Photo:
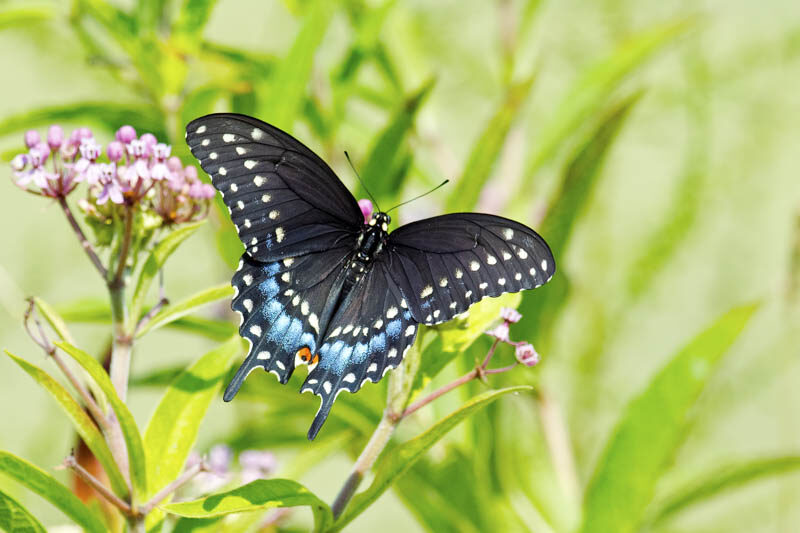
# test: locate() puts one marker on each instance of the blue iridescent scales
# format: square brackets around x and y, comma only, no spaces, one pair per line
[318,286]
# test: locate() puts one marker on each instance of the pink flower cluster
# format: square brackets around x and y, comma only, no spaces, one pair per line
[136,170]
[525,352]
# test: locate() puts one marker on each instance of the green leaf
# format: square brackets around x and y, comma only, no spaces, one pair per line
[154,263]
[84,425]
[387,151]
[133,440]
[15,518]
[283,100]
[256,496]
[579,180]
[108,115]
[189,305]
[591,90]
[487,149]
[54,319]
[97,311]
[20,17]
[173,428]
[192,20]
[652,428]
[50,489]
[459,334]
[722,479]
[395,462]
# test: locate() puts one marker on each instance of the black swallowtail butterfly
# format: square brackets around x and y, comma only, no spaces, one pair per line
[319,286]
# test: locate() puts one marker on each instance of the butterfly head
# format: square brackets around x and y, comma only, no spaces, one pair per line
[381,220]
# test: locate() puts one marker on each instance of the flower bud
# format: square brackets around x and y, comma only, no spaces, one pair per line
[85,133]
[149,140]
[366,209]
[115,151]
[526,354]
[32,138]
[174,164]
[500,332]
[19,162]
[125,134]
[55,137]
[191,174]
[510,315]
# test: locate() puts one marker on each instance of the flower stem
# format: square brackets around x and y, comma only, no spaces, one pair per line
[121,349]
[172,487]
[85,244]
[71,463]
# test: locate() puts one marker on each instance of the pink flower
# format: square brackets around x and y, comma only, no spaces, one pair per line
[366,209]
[256,464]
[125,134]
[526,354]
[115,151]
[500,332]
[32,138]
[55,137]
[510,315]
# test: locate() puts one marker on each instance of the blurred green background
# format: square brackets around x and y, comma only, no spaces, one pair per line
[654,144]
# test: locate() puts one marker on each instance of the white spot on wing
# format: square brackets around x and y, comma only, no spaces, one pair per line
[544,265]
[248,304]
[373,367]
[522,254]
[313,322]
[259,181]
[501,281]
[459,273]
[391,312]
[378,324]
[508,233]
[249,164]
[229,137]
[280,365]
[336,331]
[240,205]
[491,259]
[234,187]
[256,134]
[279,234]
[248,279]
[213,155]
[327,387]
[266,198]
[392,353]
[286,277]
[517,276]
[443,282]
[474,265]
[222,171]
[240,150]
[506,256]
[206,142]
[263,355]
[468,294]
[427,291]
[349,378]
[483,285]
[201,129]
[255,330]
[410,331]
[274,214]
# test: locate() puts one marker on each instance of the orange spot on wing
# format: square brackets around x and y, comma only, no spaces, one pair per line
[304,354]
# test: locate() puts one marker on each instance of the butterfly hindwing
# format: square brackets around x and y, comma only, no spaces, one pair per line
[281,304]
[445,264]
[283,199]
[369,335]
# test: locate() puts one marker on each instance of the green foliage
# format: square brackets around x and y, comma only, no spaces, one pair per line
[397,461]
[46,486]
[255,496]
[133,440]
[652,427]
[84,425]
[189,305]
[15,518]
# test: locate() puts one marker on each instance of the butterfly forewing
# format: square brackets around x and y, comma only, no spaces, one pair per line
[283,199]
[445,264]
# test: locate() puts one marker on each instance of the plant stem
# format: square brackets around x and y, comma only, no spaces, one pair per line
[172,487]
[377,442]
[122,342]
[93,482]
[85,244]
[127,236]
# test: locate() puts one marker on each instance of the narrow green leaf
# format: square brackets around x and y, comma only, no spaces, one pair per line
[192,20]
[256,496]
[395,462]
[721,480]
[50,489]
[387,152]
[133,440]
[15,518]
[84,425]
[54,319]
[173,428]
[283,100]
[591,90]
[18,17]
[154,263]
[580,178]
[149,15]
[652,428]
[108,115]
[187,306]
[487,149]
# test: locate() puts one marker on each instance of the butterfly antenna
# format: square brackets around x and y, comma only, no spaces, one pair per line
[442,184]
[361,181]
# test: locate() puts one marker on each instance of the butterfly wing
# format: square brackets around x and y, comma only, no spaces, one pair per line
[444,264]
[282,305]
[283,199]
[370,333]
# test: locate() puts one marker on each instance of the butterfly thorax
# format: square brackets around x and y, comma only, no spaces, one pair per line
[372,238]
